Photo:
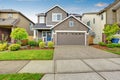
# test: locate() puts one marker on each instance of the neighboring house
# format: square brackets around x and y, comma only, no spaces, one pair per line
[10,19]
[98,20]
[61,27]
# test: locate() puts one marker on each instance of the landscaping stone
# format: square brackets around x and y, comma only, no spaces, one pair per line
[48,77]
[115,60]
[65,66]
[102,64]
[111,75]
[79,76]
[7,67]
[39,67]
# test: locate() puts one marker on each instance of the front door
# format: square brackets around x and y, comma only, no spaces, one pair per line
[48,36]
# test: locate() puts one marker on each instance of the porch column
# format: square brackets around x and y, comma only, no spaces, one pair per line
[12,40]
[34,34]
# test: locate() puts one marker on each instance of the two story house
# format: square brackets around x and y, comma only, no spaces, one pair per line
[98,20]
[61,27]
[10,19]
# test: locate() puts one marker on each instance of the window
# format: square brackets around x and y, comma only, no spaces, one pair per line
[71,23]
[10,15]
[31,26]
[93,20]
[88,23]
[56,17]
[42,19]
[102,17]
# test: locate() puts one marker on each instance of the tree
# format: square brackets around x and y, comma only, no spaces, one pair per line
[111,30]
[19,34]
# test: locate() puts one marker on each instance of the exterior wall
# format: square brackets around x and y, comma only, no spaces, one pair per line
[112,16]
[118,16]
[49,15]
[77,26]
[5,15]
[24,23]
[97,27]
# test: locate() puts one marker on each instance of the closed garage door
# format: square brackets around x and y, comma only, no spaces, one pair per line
[70,38]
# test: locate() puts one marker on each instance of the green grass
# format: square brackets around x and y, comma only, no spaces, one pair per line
[24,76]
[114,50]
[27,55]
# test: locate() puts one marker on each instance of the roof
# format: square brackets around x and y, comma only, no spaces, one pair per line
[14,11]
[8,22]
[41,26]
[90,13]
[76,15]
[51,9]
[74,18]
[111,5]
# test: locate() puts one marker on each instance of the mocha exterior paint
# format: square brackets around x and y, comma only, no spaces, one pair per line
[54,10]
[23,21]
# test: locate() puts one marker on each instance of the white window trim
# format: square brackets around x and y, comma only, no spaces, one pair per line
[10,15]
[56,19]
[41,19]
[70,23]
[46,35]
[57,31]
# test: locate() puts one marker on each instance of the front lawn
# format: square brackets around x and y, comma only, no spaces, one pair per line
[114,50]
[27,55]
[24,76]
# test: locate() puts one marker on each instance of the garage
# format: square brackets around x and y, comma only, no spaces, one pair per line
[71,38]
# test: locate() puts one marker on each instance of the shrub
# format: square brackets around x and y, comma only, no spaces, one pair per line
[118,45]
[24,42]
[32,43]
[37,43]
[102,44]
[111,45]
[19,34]
[42,44]
[14,47]
[3,47]
[50,44]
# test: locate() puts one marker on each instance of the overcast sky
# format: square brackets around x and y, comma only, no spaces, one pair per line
[31,7]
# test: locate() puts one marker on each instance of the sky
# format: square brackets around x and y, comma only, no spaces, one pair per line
[32,7]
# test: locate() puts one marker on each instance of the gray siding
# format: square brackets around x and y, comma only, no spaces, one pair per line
[54,10]
[77,25]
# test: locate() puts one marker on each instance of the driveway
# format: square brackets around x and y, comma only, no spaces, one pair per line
[80,52]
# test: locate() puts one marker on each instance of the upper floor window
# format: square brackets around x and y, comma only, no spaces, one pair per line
[56,17]
[93,20]
[88,23]
[71,23]
[42,19]
[31,26]
[10,15]
[102,17]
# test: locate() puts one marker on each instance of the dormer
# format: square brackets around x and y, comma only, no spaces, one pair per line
[41,18]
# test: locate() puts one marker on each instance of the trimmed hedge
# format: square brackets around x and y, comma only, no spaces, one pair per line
[14,47]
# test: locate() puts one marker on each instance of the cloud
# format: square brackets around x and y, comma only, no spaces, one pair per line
[101,4]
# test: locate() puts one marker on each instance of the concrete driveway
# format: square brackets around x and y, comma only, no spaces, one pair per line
[80,52]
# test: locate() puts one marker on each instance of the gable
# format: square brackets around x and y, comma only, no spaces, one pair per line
[78,26]
[58,8]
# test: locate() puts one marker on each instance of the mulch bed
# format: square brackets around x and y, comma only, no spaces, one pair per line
[100,47]
[35,48]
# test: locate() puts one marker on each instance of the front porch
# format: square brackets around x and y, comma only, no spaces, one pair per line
[44,35]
